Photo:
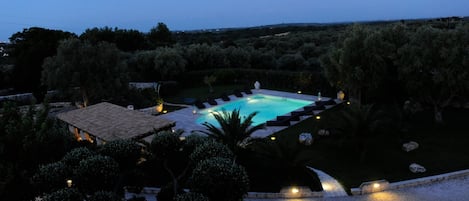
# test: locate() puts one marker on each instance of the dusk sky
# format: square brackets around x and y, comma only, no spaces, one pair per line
[78,15]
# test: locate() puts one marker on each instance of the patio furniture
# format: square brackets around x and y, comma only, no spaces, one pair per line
[224,97]
[237,93]
[199,104]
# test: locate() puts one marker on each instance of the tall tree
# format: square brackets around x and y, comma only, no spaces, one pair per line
[99,70]
[29,49]
[160,36]
[434,67]
[169,62]
[352,66]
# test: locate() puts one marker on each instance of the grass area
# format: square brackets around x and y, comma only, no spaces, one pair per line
[442,149]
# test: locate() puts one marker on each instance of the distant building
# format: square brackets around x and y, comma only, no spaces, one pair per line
[105,122]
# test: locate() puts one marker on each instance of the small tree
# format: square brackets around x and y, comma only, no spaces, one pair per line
[220,179]
[232,130]
[164,146]
[209,80]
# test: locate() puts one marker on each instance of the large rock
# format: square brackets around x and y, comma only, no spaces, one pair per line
[409,146]
[306,138]
[416,168]
[323,132]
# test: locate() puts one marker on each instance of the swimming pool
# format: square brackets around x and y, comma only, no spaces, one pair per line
[268,108]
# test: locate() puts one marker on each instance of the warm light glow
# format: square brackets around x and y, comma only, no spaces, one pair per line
[165,111]
[69,183]
[295,190]
[326,186]
[348,102]
[318,117]
[182,138]
[299,92]
[376,185]
[273,138]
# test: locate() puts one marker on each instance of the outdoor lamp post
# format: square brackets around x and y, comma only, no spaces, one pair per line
[69,183]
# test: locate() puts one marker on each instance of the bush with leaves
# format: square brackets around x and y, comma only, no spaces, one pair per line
[65,194]
[165,143]
[104,196]
[51,177]
[72,158]
[97,173]
[210,149]
[125,152]
[191,196]
[193,141]
[220,179]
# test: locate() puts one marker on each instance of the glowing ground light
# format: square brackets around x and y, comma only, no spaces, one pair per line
[295,190]
[318,117]
[376,185]
[326,186]
[165,111]
[69,183]
[348,102]
[273,138]
[299,92]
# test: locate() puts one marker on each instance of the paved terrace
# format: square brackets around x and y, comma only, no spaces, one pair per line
[185,118]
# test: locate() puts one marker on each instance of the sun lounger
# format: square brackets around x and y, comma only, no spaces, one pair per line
[224,97]
[237,93]
[211,101]
[199,104]
[247,91]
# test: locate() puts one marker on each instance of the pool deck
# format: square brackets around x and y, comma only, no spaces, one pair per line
[186,120]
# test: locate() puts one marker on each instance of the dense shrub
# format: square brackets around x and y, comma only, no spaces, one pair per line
[97,173]
[220,179]
[66,194]
[51,177]
[165,144]
[193,141]
[125,152]
[211,149]
[72,158]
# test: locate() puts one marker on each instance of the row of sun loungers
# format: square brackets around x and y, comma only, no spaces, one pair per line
[295,115]
[199,104]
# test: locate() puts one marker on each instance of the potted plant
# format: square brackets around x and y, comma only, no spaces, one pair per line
[159,104]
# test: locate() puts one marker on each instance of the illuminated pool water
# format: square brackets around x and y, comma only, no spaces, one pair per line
[268,108]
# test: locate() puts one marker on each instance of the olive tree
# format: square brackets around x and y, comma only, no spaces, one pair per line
[98,70]
[434,67]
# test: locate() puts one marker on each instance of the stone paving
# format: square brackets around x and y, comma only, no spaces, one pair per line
[331,187]
[447,190]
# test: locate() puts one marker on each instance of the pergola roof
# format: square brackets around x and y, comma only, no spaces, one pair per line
[111,122]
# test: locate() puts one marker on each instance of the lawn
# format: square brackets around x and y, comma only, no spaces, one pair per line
[442,149]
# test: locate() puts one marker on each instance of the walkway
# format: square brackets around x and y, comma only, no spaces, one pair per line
[331,187]
[447,190]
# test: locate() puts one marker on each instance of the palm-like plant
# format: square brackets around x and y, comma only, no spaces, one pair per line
[360,125]
[233,131]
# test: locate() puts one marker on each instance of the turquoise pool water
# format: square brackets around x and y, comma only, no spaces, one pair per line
[269,107]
